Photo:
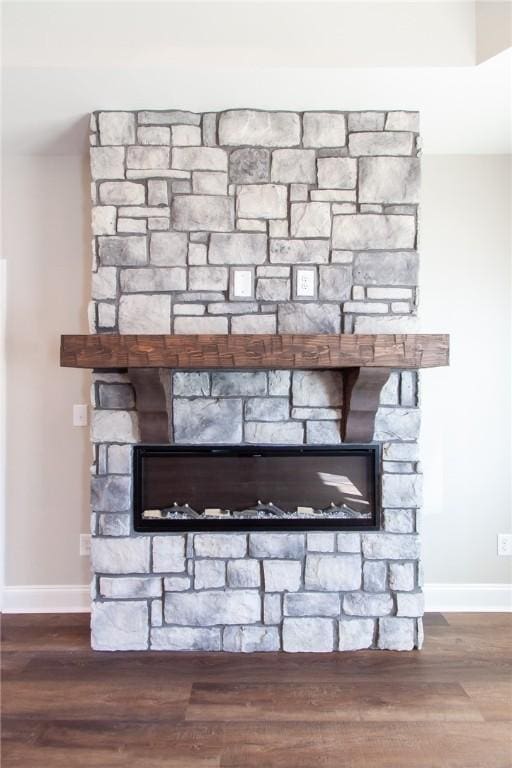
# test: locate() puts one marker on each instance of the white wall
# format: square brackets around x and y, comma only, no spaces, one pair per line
[465,278]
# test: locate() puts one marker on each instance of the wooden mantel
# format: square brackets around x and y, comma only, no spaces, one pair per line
[365,361]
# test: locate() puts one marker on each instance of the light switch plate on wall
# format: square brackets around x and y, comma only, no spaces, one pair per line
[80,415]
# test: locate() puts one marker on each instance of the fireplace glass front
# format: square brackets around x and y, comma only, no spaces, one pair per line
[199,488]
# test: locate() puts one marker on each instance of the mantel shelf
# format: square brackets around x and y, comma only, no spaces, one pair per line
[364,360]
[306,351]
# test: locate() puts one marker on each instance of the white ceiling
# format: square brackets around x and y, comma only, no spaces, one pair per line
[63,60]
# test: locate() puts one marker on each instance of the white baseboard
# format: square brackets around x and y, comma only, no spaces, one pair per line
[475,598]
[438,597]
[49,598]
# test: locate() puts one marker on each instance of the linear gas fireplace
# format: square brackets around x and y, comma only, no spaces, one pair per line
[198,488]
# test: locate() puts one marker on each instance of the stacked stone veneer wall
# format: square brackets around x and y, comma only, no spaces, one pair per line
[179,199]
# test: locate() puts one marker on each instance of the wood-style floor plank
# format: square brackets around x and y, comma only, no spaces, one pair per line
[449,706]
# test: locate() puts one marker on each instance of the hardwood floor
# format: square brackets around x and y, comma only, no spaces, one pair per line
[448,706]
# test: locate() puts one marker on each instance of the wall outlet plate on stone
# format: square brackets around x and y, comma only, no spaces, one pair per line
[241,284]
[304,283]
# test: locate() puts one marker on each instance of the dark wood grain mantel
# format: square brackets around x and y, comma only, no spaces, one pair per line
[365,361]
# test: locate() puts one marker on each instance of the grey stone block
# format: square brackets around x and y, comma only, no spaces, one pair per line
[308,318]
[209,574]
[261,201]
[208,278]
[123,555]
[116,396]
[203,212]
[279,382]
[232,307]
[312,604]
[317,388]
[323,433]
[299,251]
[323,129]
[104,283]
[310,220]
[168,249]
[122,193]
[110,494]
[140,586]
[207,420]
[267,409]
[153,279]
[244,573]
[366,121]
[186,136]
[176,583]
[210,183]
[335,282]
[251,639]
[337,173]
[170,117]
[410,604]
[220,545]
[117,127]
[276,433]
[147,157]
[153,135]
[293,165]
[402,490]
[282,575]
[156,613]
[114,524]
[389,179]
[333,572]
[119,626]
[399,520]
[237,248]
[321,542]
[168,553]
[273,289]
[380,143]
[199,158]
[389,393]
[385,324]
[364,604]
[141,313]
[395,268]
[210,129]
[390,546]
[396,634]
[107,162]
[272,613]
[131,226]
[114,427]
[122,251]
[185,639]
[190,384]
[239,127]
[356,634]
[397,424]
[200,325]
[369,230]
[278,545]
[401,576]
[374,576]
[210,608]
[349,542]
[226,384]
[249,165]
[308,635]
[254,324]
[103,220]
[317,414]
[403,121]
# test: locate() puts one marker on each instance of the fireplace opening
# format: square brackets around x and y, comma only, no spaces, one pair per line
[207,488]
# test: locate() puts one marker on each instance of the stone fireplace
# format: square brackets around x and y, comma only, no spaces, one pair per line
[254,222]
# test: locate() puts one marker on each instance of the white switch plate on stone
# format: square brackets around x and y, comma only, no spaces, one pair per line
[80,415]
[505,544]
[85,544]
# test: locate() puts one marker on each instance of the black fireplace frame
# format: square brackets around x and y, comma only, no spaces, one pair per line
[144,525]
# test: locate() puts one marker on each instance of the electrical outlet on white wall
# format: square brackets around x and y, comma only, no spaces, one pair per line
[505,544]
[80,415]
[85,544]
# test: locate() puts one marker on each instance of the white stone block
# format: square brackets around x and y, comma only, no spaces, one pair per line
[107,162]
[120,555]
[317,388]
[114,427]
[337,172]
[410,604]
[204,609]
[333,572]
[251,639]
[134,586]
[279,545]
[401,576]
[131,226]
[284,433]
[299,251]
[396,634]
[335,282]
[209,574]
[141,313]
[369,230]
[308,635]
[390,546]
[104,283]
[210,183]
[241,127]
[366,121]
[186,136]
[364,604]
[220,545]
[168,249]
[309,318]
[237,248]
[153,279]
[323,129]
[244,573]
[380,143]
[254,324]
[293,166]
[356,634]
[119,459]
[122,193]
[176,583]
[168,553]
[185,639]
[312,604]
[157,192]
[272,613]
[147,157]
[389,180]
[310,220]
[323,433]
[154,135]
[282,575]
[349,542]
[261,201]
[403,121]
[199,159]
[117,127]
[119,626]
[212,213]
